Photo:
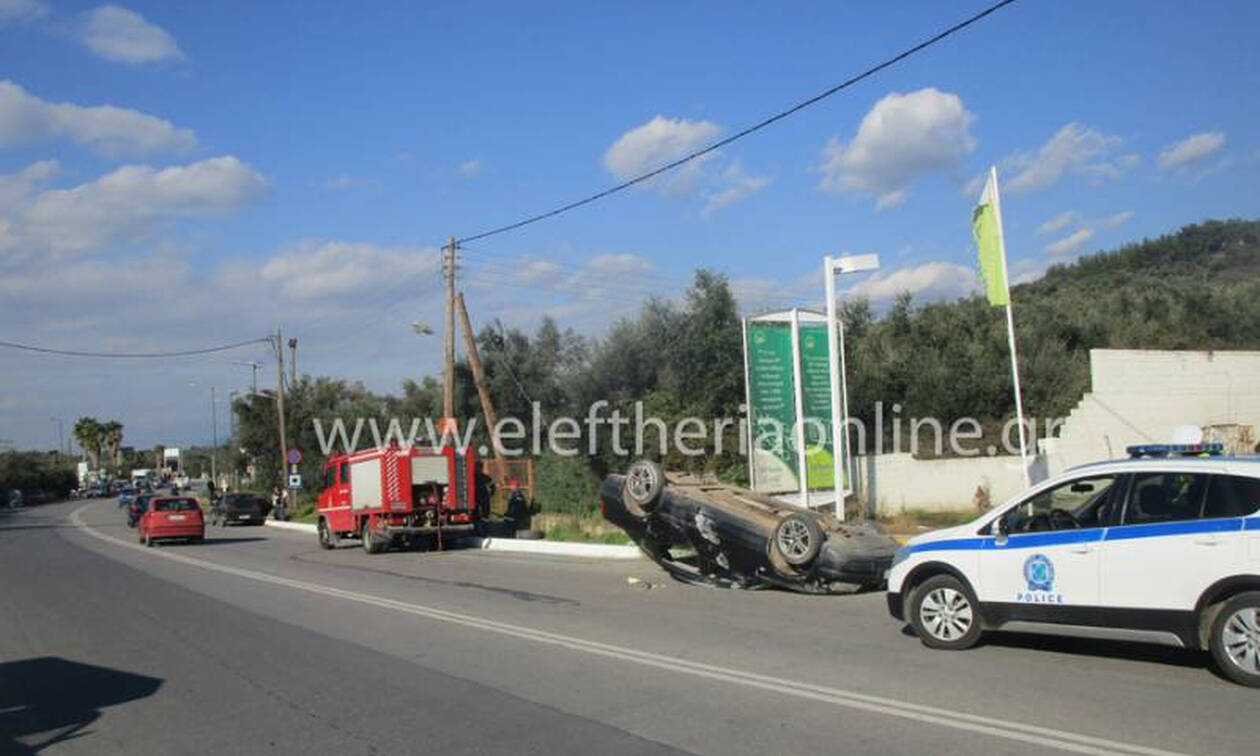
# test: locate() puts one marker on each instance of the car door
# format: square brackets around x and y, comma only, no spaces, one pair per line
[1041,561]
[1179,532]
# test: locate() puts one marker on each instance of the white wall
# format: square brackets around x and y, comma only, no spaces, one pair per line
[899,482]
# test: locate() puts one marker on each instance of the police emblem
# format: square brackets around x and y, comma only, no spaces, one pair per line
[1039,572]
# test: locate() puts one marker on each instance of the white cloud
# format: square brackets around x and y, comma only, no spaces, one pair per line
[16,187]
[935,280]
[1057,223]
[736,185]
[22,10]
[1070,243]
[1190,150]
[1113,221]
[470,168]
[1112,169]
[130,201]
[1073,148]
[904,136]
[124,36]
[657,143]
[314,269]
[112,131]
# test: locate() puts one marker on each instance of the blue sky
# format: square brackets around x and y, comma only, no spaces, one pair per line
[297,164]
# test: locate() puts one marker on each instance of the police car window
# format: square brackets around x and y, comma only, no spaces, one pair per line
[1165,497]
[1080,503]
[1232,496]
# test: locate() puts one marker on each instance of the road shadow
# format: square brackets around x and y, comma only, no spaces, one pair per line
[49,700]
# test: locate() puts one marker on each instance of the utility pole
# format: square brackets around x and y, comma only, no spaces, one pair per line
[448,380]
[293,361]
[252,365]
[214,430]
[279,344]
[479,377]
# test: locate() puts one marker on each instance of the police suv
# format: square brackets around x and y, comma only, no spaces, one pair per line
[1162,547]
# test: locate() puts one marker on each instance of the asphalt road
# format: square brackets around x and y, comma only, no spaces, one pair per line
[258,642]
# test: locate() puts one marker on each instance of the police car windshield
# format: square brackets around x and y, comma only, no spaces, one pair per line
[1081,503]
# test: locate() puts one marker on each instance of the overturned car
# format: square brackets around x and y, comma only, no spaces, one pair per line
[724,535]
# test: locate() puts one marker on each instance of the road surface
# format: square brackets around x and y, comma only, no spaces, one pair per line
[259,642]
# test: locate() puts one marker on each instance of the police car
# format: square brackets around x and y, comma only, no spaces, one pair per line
[1163,547]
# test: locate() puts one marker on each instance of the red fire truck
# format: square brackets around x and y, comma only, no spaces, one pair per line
[397,494]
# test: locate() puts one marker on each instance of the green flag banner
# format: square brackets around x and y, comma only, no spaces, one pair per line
[986,227]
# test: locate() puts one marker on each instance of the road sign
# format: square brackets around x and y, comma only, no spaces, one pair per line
[295,481]
[293,456]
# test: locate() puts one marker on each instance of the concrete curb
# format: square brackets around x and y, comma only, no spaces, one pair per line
[551,548]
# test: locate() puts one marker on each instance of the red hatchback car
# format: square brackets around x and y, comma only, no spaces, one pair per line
[172,517]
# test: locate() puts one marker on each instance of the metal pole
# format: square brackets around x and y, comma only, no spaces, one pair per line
[448,379]
[750,434]
[214,430]
[839,426]
[1010,333]
[798,431]
[280,399]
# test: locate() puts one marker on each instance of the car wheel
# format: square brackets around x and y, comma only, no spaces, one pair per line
[530,535]
[1235,640]
[370,544]
[148,540]
[943,613]
[325,538]
[798,538]
[642,487]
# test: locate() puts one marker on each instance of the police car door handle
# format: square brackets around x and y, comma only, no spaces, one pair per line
[1207,541]
[1083,548]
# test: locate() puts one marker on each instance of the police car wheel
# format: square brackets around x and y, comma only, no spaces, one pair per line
[1235,639]
[944,614]
[642,487]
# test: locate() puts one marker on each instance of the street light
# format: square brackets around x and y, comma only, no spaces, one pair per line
[421,328]
[253,366]
[833,266]
[214,429]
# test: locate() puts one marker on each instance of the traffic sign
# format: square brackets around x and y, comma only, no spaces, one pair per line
[293,456]
[295,481]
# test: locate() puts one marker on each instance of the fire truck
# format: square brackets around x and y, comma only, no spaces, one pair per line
[397,495]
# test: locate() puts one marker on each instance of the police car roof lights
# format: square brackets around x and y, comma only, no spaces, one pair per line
[1138,451]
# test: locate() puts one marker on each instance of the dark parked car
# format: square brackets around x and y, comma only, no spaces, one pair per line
[730,536]
[239,509]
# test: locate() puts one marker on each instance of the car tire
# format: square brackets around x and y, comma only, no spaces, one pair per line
[325,536]
[148,540]
[644,482]
[944,614]
[371,544]
[530,535]
[798,538]
[1235,639]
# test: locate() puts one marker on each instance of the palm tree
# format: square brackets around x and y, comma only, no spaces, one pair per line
[88,432]
[112,435]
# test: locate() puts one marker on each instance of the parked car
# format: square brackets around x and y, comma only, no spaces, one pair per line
[728,535]
[172,517]
[239,509]
[1161,548]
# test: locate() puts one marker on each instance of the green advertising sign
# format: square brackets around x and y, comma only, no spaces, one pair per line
[772,410]
[772,377]
[816,403]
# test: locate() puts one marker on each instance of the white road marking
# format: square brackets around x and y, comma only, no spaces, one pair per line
[958,720]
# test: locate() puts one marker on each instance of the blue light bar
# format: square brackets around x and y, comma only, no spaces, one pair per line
[1169,450]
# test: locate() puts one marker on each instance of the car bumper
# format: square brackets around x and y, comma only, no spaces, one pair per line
[182,531]
[895,607]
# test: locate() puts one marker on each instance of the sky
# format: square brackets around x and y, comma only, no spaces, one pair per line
[182,175]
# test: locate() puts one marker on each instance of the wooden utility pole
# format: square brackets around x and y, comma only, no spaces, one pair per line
[280,405]
[448,379]
[479,377]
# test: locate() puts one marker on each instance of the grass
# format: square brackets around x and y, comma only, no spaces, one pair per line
[563,527]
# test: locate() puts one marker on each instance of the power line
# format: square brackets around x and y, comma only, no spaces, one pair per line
[132,355]
[745,132]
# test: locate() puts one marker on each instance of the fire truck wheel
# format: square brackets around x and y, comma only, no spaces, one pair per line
[325,536]
[371,544]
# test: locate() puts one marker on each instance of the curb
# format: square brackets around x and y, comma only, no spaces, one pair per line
[551,548]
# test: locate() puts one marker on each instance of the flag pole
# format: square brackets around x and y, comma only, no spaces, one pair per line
[1010,330]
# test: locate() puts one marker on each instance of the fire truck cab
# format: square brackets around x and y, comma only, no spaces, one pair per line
[397,495]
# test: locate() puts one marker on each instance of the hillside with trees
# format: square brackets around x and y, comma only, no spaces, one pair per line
[1198,288]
